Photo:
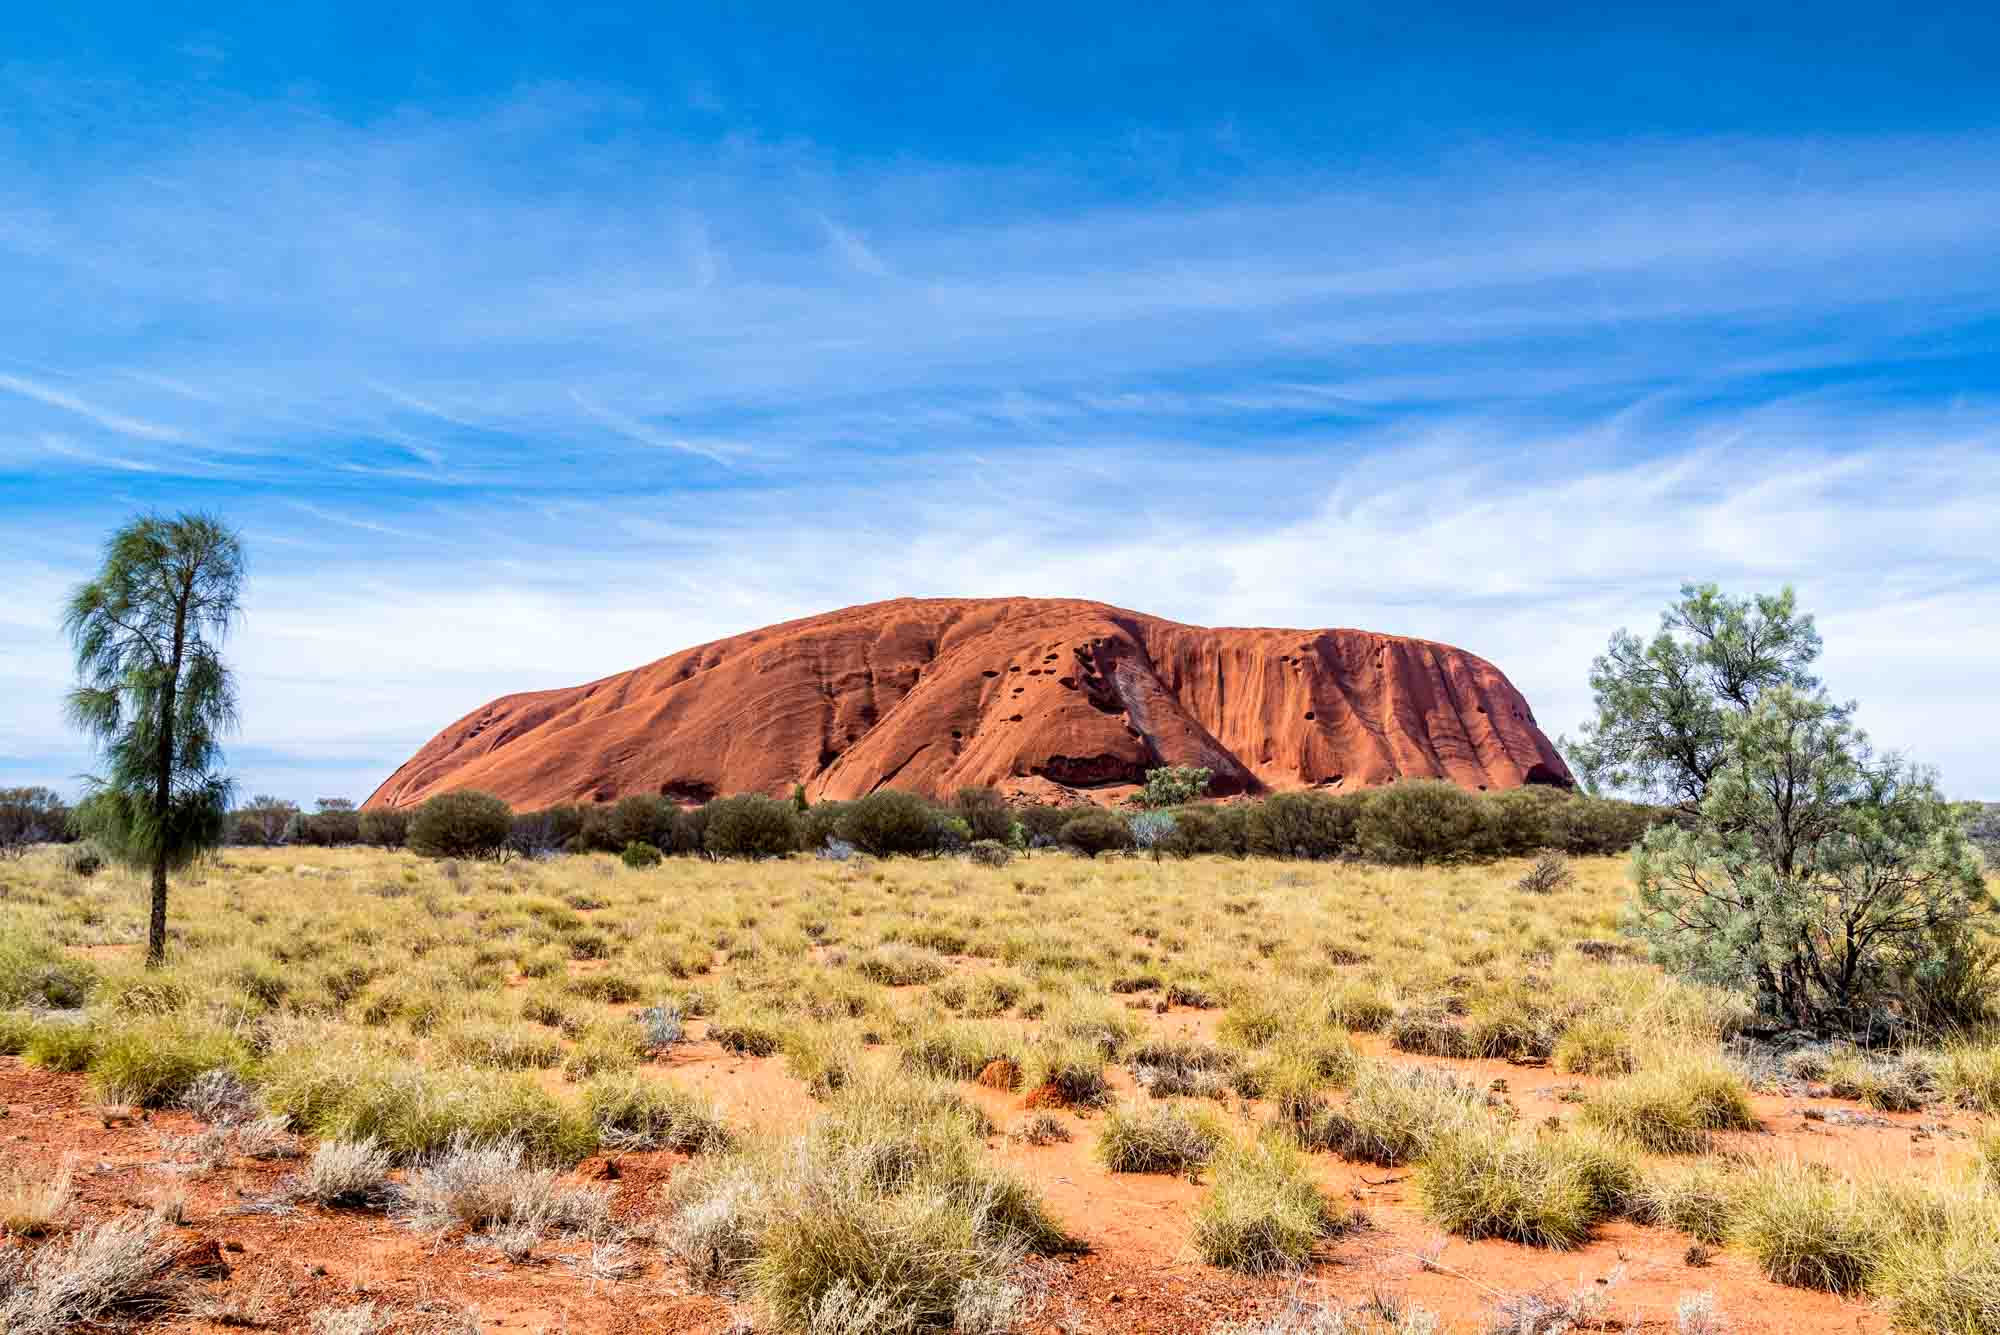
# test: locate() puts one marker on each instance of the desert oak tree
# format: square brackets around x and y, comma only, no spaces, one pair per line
[154,694]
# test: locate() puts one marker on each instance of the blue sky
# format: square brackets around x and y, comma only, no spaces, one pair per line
[527,343]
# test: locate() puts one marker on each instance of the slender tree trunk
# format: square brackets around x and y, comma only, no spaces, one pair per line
[163,794]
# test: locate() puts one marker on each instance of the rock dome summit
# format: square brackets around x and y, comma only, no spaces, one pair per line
[1044,698]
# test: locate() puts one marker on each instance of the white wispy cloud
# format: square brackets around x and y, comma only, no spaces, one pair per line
[104,417]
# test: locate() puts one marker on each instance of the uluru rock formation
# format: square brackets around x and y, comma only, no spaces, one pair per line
[1041,697]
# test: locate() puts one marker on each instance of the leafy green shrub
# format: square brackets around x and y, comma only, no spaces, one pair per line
[1520,821]
[642,818]
[888,822]
[1308,825]
[1096,831]
[750,825]
[1264,1212]
[1043,824]
[1206,829]
[691,830]
[639,856]
[1173,786]
[384,827]
[464,824]
[819,823]
[985,813]
[1422,820]
[1589,826]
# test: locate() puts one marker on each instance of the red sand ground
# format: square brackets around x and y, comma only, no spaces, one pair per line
[1140,1274]
[1041,697]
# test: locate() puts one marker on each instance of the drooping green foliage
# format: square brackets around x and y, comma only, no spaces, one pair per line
[1815,875]
[1664,705]
[154,694]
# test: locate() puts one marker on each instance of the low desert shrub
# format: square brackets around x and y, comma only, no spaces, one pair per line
[1945,1274]
[464,824]
[122,1264]
[488,1186]
[39,973]
[1264,1212]
[1359,1006]
[1594,1047]
[32,1203]
[1430,1030]
[1550,873]
[347,1173]
[1161,1138]
[897,965]
[1071,1070]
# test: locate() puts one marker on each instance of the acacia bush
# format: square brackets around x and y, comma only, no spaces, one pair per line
[1301,825]
[750,825]
[819,823]
[1042,824]
[985,813]
[385,827]
[465,824]
[1422,820]
[1096,831]
[888,822]
[1205,829]
[642,819]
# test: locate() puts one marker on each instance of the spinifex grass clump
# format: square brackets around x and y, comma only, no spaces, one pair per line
[1808,1227]
[1264,1212]
[1159,1138]
[1393,1115]
[1674,1108]
[885,1209]
[1481,1179]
